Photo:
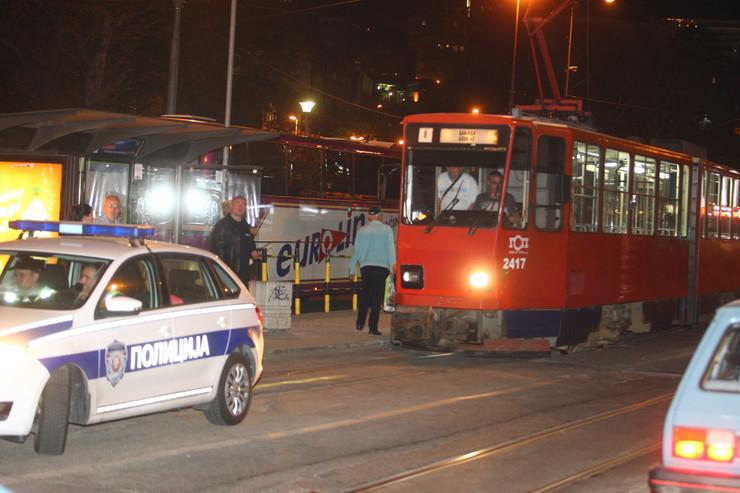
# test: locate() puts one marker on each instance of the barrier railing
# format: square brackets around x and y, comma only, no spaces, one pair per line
[297,295]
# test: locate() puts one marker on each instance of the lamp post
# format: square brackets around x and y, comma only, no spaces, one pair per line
[306,107]
[294,119]
[174,59]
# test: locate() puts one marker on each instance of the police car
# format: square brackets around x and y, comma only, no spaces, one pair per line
[702,428]
[94,329]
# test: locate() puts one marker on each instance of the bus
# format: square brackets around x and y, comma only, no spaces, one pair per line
[589,235]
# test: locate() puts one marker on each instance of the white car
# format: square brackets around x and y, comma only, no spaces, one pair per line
[701,434]
[94,329]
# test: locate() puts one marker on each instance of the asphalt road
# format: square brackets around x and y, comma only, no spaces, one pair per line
[391,419]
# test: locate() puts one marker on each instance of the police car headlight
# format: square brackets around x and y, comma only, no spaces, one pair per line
[11,356]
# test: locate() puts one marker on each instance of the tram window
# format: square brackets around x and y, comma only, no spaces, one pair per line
[711,204]
[304,168]
[736,209]
[390,181]
[668,202]
[367,171]
[725,209]
[685,193]
[270,156]
[548,209]
[585,187]
[616,191]
[519,178]
[643,195]
[337,173]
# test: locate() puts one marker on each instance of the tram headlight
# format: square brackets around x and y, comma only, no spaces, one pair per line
[480,279]
[412,276]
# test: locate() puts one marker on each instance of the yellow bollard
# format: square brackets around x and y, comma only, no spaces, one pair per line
[327,278]
[297,287]
[264,265]
[354,291]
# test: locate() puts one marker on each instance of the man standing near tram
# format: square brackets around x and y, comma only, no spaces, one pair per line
[232,239]
[375,253]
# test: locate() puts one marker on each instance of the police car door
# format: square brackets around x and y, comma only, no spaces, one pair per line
[137,348]
[201,322]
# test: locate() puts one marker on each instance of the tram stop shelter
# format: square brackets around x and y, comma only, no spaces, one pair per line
[168,172]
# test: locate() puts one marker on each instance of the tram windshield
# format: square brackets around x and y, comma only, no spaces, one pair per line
[462,186]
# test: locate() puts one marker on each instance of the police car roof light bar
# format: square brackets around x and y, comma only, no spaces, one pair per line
[84,229]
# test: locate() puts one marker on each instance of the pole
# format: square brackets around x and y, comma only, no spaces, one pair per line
[570,45]
[513,57]
[174,59]
[230,75]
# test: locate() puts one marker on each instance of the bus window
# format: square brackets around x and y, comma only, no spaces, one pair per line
[519,177]
[711,207]
[643,196]
[270,157]
[725,210]
[548,209]
[304,168]
[338,173]
[367,171]
[685,208]
[390,179]
[668,192]
[616,191]
[736,210]
[585,187]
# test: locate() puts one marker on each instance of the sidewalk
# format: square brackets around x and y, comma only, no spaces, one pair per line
[324,331]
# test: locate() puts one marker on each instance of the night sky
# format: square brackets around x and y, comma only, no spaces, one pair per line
[639,75]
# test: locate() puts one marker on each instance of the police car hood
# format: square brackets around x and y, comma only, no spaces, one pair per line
[26,324]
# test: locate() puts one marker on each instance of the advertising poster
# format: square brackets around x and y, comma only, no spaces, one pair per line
[28,191]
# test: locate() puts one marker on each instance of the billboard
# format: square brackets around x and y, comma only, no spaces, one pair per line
[28,191]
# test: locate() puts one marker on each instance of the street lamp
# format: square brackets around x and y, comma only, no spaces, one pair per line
[294,119]
[306,107]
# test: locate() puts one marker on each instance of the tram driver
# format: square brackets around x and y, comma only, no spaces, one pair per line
[456,189]
[491,198]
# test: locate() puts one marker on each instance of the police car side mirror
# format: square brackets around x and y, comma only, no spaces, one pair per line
[122,305]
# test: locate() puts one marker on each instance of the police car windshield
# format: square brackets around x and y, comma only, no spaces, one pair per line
[48,281]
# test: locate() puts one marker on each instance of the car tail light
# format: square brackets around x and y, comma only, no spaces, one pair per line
[259,315]
[699,443]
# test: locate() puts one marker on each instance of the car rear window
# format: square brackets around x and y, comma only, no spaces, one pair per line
[723,373]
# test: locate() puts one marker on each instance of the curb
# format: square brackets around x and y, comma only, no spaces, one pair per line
[328,347]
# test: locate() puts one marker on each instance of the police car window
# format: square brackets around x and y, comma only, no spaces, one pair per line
[48,281]
[723,373]
[229,288]
[134,279]
[188,280]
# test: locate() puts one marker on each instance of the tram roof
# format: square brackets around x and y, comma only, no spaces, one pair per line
[80,132]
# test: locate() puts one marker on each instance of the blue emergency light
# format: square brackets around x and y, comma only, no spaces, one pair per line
[85,229]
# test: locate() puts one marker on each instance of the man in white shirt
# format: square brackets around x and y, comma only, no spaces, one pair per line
[456,189]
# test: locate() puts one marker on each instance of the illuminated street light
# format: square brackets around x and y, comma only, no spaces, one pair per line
[306,107]
[475,110]
[294,119]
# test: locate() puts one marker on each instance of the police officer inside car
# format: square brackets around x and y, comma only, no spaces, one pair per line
[232,239]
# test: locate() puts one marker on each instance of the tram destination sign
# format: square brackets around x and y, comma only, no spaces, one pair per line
[468,136]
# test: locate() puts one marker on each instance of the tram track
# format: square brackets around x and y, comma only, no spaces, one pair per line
[475,455]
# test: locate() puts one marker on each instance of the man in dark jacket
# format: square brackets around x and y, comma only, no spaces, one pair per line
[232,240]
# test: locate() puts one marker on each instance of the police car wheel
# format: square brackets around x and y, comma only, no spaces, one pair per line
[234,394]
[53,417]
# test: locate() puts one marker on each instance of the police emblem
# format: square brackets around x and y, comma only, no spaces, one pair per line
[116,358]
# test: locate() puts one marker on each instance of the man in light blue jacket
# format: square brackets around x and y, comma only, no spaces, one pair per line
[375,252]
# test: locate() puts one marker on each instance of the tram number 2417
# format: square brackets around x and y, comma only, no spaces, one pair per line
[514,263]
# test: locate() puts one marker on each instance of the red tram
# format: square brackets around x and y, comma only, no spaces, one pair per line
[587,236]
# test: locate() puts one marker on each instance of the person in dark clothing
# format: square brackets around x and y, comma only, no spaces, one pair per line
[232,239]
[82,213]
